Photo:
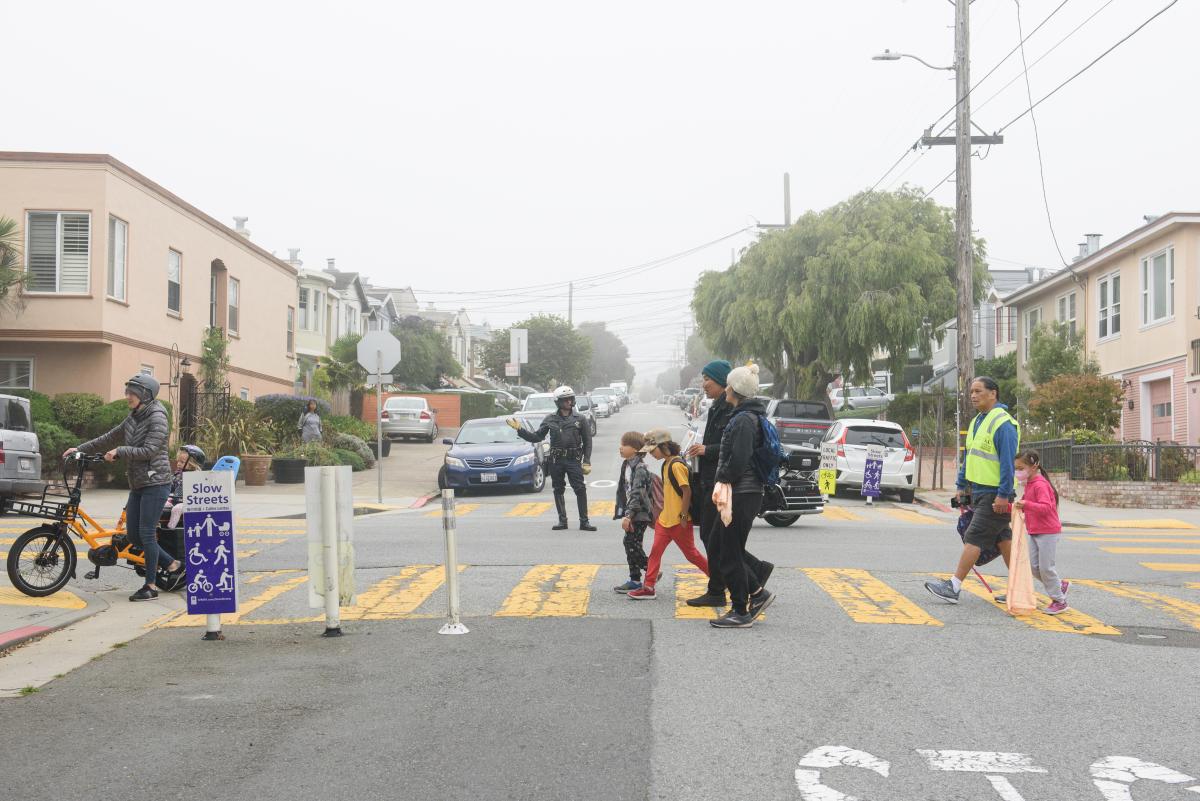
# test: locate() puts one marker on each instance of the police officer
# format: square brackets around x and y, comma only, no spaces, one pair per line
[570,454]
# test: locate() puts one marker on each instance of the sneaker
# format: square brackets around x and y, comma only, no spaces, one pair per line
[643,594]
[732,620]
[1066,585]
[767,569]
[943,589]
[144,594]
[628,586]
[758,603]
[1057,608]
[586,526]
[707,600]
[1000,599]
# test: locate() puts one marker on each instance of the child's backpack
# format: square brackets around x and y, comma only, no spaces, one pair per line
[656,497]
[769,455]
[693,482]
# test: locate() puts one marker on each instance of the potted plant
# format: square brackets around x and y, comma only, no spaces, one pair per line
[249,436]
[288,467]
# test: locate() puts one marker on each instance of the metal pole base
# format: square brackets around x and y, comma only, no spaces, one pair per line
[870,501]
[213,635]
[454,628]
[333,632]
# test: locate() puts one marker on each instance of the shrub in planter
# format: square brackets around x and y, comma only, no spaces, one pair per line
[343,424]
[74,411]
[40,407]
[316,454]
[352,443]
[350,459]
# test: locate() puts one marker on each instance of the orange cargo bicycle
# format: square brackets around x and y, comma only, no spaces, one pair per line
[42,560]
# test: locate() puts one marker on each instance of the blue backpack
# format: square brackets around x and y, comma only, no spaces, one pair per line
[768,456]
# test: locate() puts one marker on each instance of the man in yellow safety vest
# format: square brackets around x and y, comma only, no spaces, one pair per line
[985,482]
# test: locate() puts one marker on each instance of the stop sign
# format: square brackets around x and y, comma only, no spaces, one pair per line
[378,351]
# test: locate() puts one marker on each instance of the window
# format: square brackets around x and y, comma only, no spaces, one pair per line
[1066,313]
[212,300]
[59,252]
[16,373]
[1195,357]
[1109,289]
[1162,409]
[118,247]
[1012,325]
[291,331]
[245,393]
[303,309]
[235,294]
[13,416]
[174,281]
[316,310]
[1158,287]
[1033,318]
[146,369]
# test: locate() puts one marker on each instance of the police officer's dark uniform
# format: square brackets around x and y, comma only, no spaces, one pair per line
[570,454]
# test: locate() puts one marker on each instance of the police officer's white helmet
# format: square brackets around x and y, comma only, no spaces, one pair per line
[563,393]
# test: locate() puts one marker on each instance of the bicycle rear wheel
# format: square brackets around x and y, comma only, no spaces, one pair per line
[40,562]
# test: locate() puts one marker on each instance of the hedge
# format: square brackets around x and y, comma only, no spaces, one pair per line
[349,442]
[40,406]
[344,424]
[283,411]
[53,439]
[316,454]
[75,411]
[474,405]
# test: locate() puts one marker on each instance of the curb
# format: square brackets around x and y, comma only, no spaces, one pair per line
[941,507]
[18,636]
[424,499]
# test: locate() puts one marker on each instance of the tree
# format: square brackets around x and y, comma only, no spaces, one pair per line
[425,353]
[214,359]
[610,357]
[12,275]
[1054,352]
[1004,370]
[668,381]
[826,294]
[1078,401]
[340,369]
[558,354]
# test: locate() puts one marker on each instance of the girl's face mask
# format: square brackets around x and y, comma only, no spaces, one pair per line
[1023,474]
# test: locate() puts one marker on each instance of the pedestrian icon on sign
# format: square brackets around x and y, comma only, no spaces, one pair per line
[222,554]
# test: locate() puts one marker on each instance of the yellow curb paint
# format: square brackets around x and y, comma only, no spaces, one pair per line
[1172,567]
[909,516]
[59,600]
[398,596]
[1132,539]
[551,591]
[838,513]
[528,509]
[461,510]
[245,607]
[866,599]
[262,541]
[1183,611]
[1154,551]
[601,509]
[1166,522]
[690,583]
[1071,621]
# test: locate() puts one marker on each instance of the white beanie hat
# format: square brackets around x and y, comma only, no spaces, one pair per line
[744,380]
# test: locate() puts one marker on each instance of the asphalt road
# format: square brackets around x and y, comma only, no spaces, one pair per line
[857,683]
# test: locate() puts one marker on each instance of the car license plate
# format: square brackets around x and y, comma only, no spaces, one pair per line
[487,478]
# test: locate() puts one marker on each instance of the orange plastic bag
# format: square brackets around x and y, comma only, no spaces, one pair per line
[1021,600]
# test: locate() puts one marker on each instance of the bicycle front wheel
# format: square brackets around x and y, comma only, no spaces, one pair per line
[40,562]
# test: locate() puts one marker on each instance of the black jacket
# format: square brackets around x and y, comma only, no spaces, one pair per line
[634,501]
[570,432]
[718,417]
[742,436]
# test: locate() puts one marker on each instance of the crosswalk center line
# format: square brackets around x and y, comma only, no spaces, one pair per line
[1154,551]
[1183,611]
[838,513]
[909,516]
[866,599]
[567,595]
[528,509]
[1071,621]
[460,510]
[1167,522]
[1163,567]
[245,607]
[689,583]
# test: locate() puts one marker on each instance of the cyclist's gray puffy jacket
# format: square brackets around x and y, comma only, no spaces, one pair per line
[142,437]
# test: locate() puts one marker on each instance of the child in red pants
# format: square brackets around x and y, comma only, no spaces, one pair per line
[673,524]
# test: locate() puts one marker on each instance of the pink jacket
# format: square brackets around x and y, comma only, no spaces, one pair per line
[1041,510]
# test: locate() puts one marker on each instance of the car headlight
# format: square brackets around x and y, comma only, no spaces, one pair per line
[520,460]
[455,462]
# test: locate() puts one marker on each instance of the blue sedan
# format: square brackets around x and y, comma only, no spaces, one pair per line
[487,453]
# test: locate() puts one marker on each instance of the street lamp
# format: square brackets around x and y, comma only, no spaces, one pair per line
[888,55]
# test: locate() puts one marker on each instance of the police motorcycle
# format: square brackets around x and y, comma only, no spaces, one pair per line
[797,492]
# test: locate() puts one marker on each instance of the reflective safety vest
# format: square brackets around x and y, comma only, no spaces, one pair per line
[983,463]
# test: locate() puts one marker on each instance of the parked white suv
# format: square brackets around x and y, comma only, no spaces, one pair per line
[854,436]
[20,456]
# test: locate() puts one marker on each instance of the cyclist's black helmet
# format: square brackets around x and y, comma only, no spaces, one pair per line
[196,453]
[144,386]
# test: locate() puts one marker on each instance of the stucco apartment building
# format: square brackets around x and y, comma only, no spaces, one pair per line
[123,274]
[1136,304]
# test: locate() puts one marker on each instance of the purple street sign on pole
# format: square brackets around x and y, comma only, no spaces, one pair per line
[209,542]
[873,471]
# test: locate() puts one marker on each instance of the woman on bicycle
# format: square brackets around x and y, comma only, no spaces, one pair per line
[141,439]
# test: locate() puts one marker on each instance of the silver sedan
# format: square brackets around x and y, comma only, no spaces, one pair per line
[409,417]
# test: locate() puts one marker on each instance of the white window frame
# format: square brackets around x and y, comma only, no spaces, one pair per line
[290,341]
[58,252]
[1107,314]
[9,360]
[302,304]
[233,305]
[212,299]
[177,312]
[146,369]
[1148,297]
[118,274]
[1066,309]
[1033,318]
[316,310]
[245,393]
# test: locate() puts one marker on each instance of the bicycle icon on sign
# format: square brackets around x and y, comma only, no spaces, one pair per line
[200,583]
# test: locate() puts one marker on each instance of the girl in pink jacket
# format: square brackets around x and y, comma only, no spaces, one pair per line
[1040,505]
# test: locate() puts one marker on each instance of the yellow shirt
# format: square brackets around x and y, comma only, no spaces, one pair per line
[672,500]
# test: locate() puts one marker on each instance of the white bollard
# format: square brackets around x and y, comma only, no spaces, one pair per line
[449,524]
[212,628]
[329,552]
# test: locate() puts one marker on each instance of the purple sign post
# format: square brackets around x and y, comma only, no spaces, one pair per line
[209,543]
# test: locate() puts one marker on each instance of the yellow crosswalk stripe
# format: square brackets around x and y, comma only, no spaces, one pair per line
[528,509]
[1143,540]
[909,516]
[1158,523]
[274,531]
[461,510]
[1172,567]
[399,595]
[689,583]
[601,509]
[1153,551]
[551,591]
[1071,621]
[247,606]
[1183,611]
[59,600]
[1192,586]
[262,540]
[866,599]
[839,513]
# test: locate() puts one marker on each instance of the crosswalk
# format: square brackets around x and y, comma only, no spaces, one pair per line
[1161,537]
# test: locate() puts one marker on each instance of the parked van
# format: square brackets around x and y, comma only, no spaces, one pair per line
[20,455]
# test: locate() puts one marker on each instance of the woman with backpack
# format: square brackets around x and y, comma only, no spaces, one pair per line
[738,480]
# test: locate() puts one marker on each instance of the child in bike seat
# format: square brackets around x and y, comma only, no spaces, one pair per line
[190,457]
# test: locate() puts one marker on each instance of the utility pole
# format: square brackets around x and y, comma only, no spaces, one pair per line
[787,199]
[571,303]
[962,212]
